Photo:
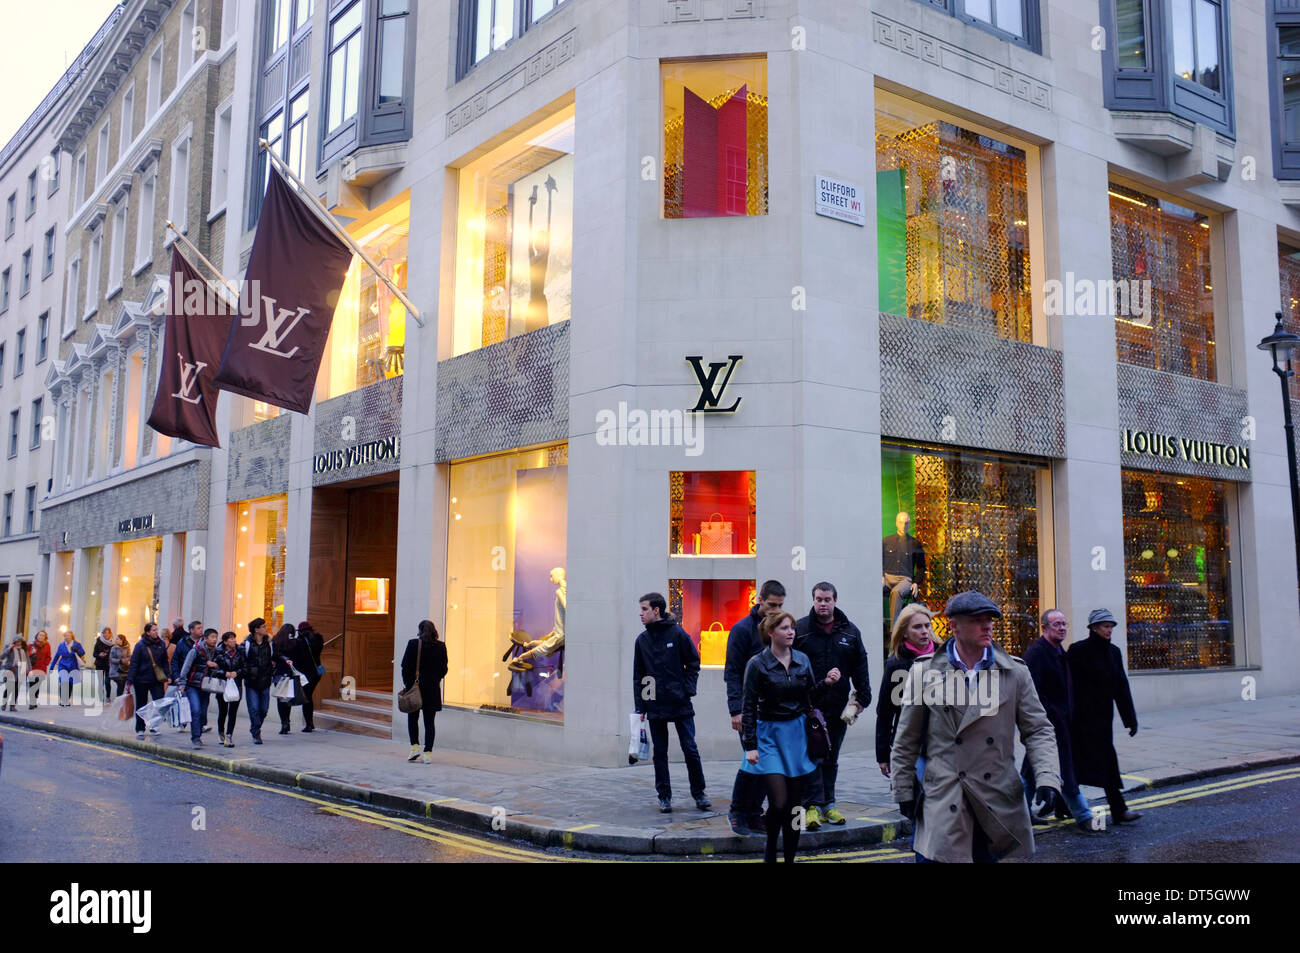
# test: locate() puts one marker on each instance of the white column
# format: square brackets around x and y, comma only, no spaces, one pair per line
[191,595]
[110,582]
[1087,486]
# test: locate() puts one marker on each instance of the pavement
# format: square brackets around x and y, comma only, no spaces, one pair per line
[614,809]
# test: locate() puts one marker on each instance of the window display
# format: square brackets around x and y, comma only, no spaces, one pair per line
[1177,572]
[708,608]
[952,223]
[370,596]
[139,571]
[257,581]
[506,585]
[514,236]
[953,521]
[90,587]
[712,513]
[1165,248]
[367,341]
[715,137]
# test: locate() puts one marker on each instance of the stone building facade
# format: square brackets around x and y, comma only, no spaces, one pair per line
[717,291]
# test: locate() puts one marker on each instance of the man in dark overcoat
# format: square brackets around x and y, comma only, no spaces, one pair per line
[1100,686]
[1051,674]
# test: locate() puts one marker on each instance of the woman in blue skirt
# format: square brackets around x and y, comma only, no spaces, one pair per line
[780,690]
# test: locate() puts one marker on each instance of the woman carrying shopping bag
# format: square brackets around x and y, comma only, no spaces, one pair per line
[230,663]
[292,659]
[147,673]
[425,662]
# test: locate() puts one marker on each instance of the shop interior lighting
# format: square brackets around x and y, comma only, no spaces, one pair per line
[1126,198]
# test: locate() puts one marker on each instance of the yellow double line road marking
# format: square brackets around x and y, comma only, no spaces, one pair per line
[1208,789]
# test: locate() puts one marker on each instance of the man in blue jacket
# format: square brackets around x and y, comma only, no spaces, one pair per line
[743,643]
[665,671]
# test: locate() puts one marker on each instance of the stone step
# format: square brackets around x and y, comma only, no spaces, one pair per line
[353,725]
[372,711]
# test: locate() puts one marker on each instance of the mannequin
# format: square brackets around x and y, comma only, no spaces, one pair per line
[554,642]
[903,561]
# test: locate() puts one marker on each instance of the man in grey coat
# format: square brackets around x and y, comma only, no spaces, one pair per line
[963,708]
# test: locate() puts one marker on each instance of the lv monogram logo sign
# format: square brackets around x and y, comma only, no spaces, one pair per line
[189,380]
[279,323]
[710,390]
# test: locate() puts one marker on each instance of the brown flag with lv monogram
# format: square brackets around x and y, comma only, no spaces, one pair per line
[198,324]
[295,273]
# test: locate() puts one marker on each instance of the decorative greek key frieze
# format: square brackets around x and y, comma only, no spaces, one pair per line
[971,66]
[698,11]
[545,61]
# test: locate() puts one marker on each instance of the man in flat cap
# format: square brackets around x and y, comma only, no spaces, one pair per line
[1100,685]
[963,708]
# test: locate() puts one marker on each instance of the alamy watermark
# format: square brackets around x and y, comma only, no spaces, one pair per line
[650,428]
[1086,297]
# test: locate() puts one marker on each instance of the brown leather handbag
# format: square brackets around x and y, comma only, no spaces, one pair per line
[409,699]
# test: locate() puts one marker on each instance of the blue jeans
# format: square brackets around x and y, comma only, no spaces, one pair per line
[686,738]
[259,703]
[198,700]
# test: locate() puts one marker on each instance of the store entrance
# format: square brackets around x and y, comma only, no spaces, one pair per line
[353,569]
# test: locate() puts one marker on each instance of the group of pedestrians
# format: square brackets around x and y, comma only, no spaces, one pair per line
[24,664]
[199,663]
[946,720]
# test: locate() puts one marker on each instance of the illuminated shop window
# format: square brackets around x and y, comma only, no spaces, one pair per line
[1288,260]
[1177,582]
[90,587]
[715,137]
[712,513]
[257,576]
[708,608]
[138,572]
[983,522]
[370,595]
[514,236]
[506,585]
[1161,253]
[367,341]
[952,222]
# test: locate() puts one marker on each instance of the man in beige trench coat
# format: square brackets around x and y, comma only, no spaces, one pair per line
[961,710]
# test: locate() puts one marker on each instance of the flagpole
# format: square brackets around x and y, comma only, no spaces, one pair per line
[213,268]
[341,232]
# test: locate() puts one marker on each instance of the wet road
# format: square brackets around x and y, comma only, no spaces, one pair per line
[62,799]
[1240,818]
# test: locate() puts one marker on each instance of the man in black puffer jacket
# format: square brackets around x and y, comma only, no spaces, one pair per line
[743,643]
[834,646]
[665,671]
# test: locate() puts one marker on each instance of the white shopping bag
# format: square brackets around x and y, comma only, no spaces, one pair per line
[638,747]
[231,691]
[180,713]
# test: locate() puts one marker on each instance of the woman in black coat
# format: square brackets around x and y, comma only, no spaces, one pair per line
[432,656]
[912,640]
[1100,685]
[293,656]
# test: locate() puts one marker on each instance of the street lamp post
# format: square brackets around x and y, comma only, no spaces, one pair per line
[1282,344]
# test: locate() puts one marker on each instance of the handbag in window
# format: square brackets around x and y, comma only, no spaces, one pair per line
[713,645]
[716,536]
